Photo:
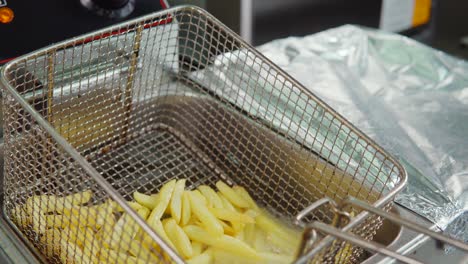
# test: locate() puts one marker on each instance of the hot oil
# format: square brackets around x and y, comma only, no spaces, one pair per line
[288,233]
[89,119]
[283,175]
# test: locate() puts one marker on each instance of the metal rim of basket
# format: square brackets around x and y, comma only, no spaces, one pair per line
[102,182]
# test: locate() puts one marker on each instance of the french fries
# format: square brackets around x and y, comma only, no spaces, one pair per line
[186,209]
[226,204]
[50,240]
[205,258]
[159,229]
[72,253]
[228,230]
[137,249]
[197,248]
[176,200]
[203,226]
[203,214]
[178,238]
[125,229]
[283,237]
[113,256]
[211,196]
[221,256]
[224,242]
[51,203]
[231,195]
[79,235]
[231,216]
[242,192]
[149,201]
[20,216]
[164,199]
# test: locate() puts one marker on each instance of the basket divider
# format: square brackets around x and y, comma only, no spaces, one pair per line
[50,84]
[131,76]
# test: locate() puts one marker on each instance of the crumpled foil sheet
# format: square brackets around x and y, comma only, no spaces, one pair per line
[411,99]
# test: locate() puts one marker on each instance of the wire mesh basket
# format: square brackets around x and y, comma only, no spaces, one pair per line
[176,94]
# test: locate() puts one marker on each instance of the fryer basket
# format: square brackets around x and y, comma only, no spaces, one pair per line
[176,94]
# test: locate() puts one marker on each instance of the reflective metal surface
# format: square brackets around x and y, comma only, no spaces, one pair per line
[158,107]
[441,238]
[413,244]
[408,97]
[13,249]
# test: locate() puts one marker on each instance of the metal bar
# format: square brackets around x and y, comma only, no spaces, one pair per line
[50,98]
[406,223]
[131,77]
[369,245]
[311,208]
[309,236]
[50,84]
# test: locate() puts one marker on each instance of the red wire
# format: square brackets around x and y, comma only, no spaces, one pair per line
[163,4]
[113,33]
[6,60]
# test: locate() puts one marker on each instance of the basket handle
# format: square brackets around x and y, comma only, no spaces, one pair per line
[311,229]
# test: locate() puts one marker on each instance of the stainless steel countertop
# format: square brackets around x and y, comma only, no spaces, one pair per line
[418,246]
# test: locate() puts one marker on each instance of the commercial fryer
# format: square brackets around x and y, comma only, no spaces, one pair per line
[127,108]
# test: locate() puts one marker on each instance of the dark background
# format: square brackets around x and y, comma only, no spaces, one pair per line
[448,25]
[40,23]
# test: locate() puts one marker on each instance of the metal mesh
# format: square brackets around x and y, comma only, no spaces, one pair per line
[178,95]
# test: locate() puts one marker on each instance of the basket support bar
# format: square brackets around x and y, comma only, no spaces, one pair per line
[406,223]
[310,232]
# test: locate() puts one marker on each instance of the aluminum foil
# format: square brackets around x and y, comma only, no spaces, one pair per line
[411,99]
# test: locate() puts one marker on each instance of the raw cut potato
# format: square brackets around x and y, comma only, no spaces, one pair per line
[203,226]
